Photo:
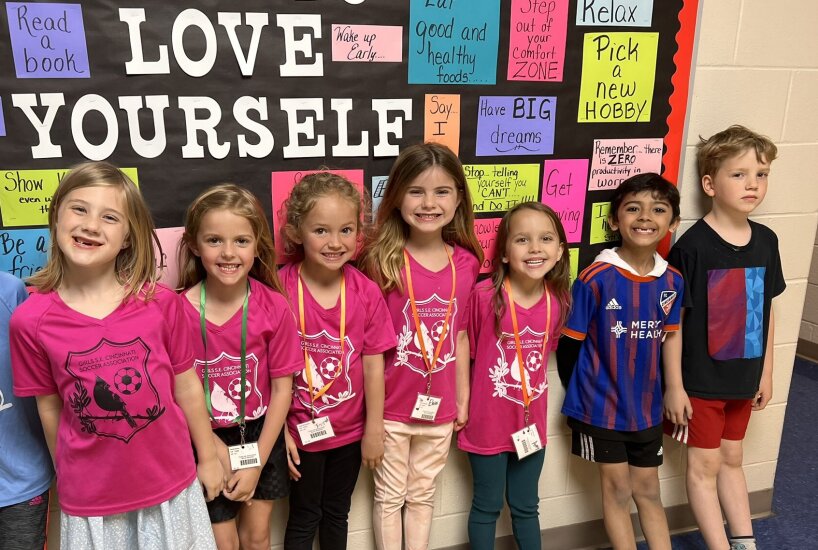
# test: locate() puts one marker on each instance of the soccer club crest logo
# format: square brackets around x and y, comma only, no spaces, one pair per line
[666,299]
[432,313]
[506,377]
[113,393]
[328,369]
[224,374]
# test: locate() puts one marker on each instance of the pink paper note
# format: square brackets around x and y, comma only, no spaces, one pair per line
[367,43]
[169,237]
[536,49]
[564,190]
[615,160]
[486,231]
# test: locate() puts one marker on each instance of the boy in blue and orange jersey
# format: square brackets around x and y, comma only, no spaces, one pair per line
[624,305]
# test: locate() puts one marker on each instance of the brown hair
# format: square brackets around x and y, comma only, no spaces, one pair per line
[302,199]
[558,278]
[382,258]
[733,141]
[135,265]
[243,203]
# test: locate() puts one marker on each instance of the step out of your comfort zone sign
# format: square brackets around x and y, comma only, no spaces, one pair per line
[543,100]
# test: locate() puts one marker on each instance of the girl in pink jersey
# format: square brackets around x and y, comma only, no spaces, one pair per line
[514,323]
[245,350]
[116,394]
[425,258]
[336,416]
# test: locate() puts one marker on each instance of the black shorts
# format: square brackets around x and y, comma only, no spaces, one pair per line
[273,483]
[642,449]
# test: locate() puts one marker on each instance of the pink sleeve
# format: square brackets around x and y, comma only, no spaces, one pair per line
[29,363]
[284,348]
[379,334]
[555,328]
[180,346]
[474,321]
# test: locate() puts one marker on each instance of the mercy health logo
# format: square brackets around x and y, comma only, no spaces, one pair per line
[639,330]
[328,369]
[613,304]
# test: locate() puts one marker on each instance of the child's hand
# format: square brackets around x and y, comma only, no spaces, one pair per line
[462,417]
[211,476]
[293,459]
[224,458]
[677,406]
[242,485]
[764,393]
[372,449]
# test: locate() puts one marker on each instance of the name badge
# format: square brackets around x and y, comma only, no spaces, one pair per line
[527,441]
[315,430]
[426,407]
[244,456]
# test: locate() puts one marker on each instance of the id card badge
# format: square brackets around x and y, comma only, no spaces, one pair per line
[527,441]
[244,456]
[314,430]
[426,407]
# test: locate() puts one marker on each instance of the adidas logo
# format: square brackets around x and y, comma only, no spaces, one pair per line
[661,451]
[613,304]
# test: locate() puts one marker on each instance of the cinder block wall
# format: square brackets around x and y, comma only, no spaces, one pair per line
[756,65]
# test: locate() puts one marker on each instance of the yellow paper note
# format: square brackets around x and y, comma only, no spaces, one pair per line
[618,73]
[499,187]
[601,232]
[26,194]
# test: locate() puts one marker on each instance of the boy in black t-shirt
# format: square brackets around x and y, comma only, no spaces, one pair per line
[732,271]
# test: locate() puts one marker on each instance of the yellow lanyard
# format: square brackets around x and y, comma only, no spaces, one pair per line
[430,365]
[313,393]
[516,328]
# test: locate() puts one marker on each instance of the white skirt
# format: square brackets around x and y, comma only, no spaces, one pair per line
[180,523]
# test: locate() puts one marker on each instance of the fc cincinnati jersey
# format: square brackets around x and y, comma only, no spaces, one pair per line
[621,319]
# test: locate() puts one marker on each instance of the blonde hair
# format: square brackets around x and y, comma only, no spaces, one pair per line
[382,258]
[558,278]
[733,141]
[242,203]
[135,265]
[302,199]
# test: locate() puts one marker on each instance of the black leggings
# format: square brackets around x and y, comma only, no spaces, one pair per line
[320,500]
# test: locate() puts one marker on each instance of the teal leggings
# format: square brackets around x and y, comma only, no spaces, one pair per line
[501,475]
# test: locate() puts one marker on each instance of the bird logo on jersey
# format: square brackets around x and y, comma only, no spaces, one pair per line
[506,379]
[224,376]
[326,367]
[431,313]
[113,393]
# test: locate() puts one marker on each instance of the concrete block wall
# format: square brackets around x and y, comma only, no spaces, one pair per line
[756,65]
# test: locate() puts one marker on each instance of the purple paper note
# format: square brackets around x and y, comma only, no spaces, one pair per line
[564,190]
[2,120]
[48,40]
[516,125]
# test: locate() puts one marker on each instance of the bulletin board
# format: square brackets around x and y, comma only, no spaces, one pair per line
[550,100]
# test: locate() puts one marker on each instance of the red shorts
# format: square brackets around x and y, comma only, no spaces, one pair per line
[713,420]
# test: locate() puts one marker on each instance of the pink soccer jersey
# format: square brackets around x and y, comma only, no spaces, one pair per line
[123,443]
[496,406]
[273,350]
[368,332]
[406,373]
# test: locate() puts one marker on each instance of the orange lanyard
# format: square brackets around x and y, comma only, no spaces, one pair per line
[513,311]
[313,393]
[430,365]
